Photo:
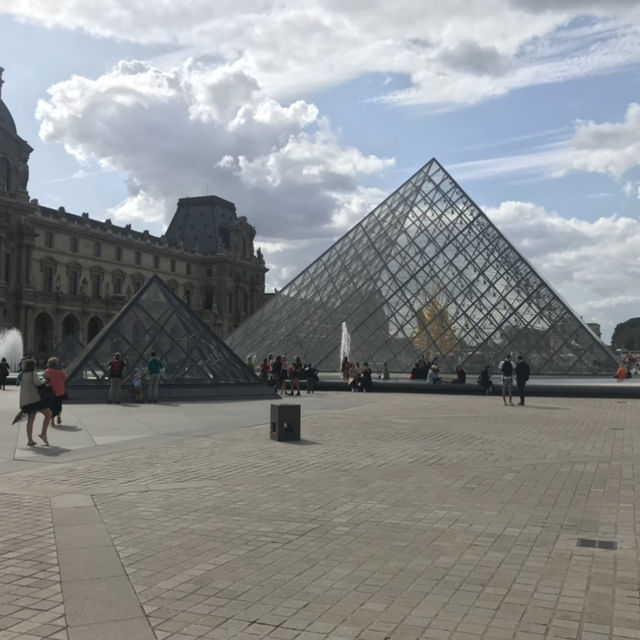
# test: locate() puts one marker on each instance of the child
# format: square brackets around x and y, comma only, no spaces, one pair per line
[138,384]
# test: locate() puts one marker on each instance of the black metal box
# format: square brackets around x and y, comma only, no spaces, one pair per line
[285,422]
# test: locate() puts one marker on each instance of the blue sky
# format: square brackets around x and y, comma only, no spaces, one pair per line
[308,114]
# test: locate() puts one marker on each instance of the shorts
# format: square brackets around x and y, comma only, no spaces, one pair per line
[507,384]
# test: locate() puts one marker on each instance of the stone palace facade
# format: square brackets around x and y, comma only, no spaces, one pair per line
[63,273]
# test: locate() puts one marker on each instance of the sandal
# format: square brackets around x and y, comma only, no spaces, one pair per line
[32,444]
[43,438]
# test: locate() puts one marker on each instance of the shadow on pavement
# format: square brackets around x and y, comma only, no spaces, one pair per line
[50,451]
[64,427]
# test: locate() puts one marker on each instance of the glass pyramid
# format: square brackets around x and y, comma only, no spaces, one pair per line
[425,274]
[68,348]
[197,364]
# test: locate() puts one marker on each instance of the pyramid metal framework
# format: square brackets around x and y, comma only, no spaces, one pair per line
[68,348]
[197,364]
[425,274]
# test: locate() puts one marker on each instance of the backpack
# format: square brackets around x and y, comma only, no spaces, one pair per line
[115,368]
[507,369]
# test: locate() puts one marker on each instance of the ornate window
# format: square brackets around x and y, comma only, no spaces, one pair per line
[118,283]
[97,249]
[138,258]
[73,244]
[48,240]
[156,262]
[96,285]
[47,278]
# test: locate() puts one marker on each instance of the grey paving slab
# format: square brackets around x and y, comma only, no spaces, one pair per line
[94,562]
[81,536]
[135,629]
[92,601]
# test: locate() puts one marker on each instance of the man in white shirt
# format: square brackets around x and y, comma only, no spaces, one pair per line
[507,369]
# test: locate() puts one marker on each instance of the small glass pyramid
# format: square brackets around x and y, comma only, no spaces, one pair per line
[68,348]
[197,364]
[425,274]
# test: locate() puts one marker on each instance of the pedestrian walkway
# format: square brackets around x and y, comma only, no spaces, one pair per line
[395,517]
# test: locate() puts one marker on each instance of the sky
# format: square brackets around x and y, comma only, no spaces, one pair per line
[307,114]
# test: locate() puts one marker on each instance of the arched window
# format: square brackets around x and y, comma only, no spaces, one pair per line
[70,325]
[94,327]
[43,333]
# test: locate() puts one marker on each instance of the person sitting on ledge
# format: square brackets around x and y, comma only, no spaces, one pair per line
[433,377]
[461,375]
[484,380]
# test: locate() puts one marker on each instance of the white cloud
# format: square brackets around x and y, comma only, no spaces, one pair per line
[582,259]
[612,148]
[189,131]
[292,47]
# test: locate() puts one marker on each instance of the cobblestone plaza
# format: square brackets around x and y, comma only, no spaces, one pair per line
[395,517]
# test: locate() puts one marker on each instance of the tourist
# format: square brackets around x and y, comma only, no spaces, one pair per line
[621,373]
[249,364]
[115,370]
[344,367]
[283,376]
[270,360]
[4,372]
[311,376]
[31,401]
[522,375]
[264,370]
[295,371]
[366,377]
[138,383]
[420,370]
[484,380]
[461,375]
[56,377]
[276,367]
[353,376]
[154,367]
[433,377]
[385,371]
[507,368]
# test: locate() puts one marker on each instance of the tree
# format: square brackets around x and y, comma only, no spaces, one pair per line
[626,335]
[433,332]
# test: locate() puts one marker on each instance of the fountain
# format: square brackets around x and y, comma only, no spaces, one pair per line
[345,343]
[11,347]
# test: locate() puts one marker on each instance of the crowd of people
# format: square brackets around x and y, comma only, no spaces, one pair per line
[144,376]
[279,374]
[45,393]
